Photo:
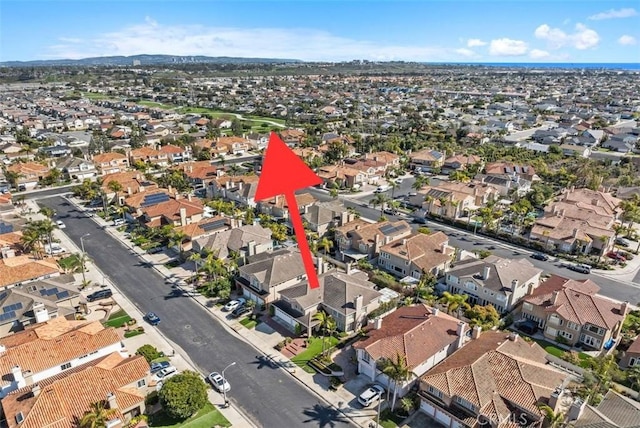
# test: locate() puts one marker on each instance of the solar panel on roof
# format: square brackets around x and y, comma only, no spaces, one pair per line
[386,228]
[3,295]
[7,316]
[212,225]
[154,199]
[62,295]
[43,292]
[10,308]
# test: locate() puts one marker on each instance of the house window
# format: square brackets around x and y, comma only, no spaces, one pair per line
[366,357]
[633,361]
[566,335]
[65,366]
[573,326]
[465,403]
[435,392]
[141,383]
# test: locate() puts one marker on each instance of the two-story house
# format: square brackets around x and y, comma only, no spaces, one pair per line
[342,176]
[176,154]
[51,348]
[460,162]
[178,211]
[417,254]
[265,274]
[246,241]
[76,168]
[571,312]
[495,380]
[454,200]
[426,160]
[148,155]
[424,336]
[24,268]
[241,189]
[348,298]
[29,174]
[121,383]
[631,357]
[322,216]
[278,208]
[108,163]
[493,281]
[360,239]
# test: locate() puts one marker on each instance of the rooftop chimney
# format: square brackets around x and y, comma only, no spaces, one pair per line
[357,304]
[40,312]
[111,401]
[514,284]
[485,272]
[554,297]
[462,327]
[16,372]
[35,390]
[183,217]
[513,336]
[435,311]
[624,307]
[377,323]
[475,333]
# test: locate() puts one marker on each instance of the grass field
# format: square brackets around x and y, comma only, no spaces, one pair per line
[247,322]
[313,350]
[117,318]
[95,96]
[154,104]
[69,263]
[206,417]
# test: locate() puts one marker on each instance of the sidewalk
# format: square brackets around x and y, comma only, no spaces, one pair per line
[151,335]
[263,338]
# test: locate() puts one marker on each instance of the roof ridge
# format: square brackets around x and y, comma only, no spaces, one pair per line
[592,301]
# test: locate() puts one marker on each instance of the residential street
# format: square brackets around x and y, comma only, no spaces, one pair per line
[258,391]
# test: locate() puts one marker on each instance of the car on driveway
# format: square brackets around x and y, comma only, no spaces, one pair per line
[99,295]
[540,256]
[233,304]
[219,383]
[616,256]
[156,367]
[622,242]
[371,395]
[239,311]
[152,318]
[165,373]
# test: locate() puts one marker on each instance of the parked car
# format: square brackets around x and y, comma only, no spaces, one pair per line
[99,295]
[165,373]
[580,268]
[152,318]
[616,256]
[156,367]
[239,311]
[540,256]
[219,383]
[622,242]
[233,304]
[119,222]
[60,224]
[371,395]
[54,248]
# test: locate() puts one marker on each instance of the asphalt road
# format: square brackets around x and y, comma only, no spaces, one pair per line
[270,397]
[466,240]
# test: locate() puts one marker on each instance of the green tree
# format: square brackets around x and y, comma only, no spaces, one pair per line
[98,416]
[454,302]
[326,244]
[183,395]
[149,352]
[380,200]
[398,371]
[633,375]
[323,319]
[553,419]
[484,316]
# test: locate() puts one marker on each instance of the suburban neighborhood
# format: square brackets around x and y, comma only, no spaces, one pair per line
[476,241]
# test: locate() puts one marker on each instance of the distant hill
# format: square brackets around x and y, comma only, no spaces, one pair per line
[147,60]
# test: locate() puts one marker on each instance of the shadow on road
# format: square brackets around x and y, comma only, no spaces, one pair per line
[325,416]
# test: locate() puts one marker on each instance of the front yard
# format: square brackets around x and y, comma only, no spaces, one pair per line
[313,349]
[206,417]
[117,319]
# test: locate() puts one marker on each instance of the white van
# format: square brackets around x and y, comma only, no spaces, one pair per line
[119,222]
[382,188]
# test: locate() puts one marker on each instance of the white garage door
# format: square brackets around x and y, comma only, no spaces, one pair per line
[443,417]
[427,408]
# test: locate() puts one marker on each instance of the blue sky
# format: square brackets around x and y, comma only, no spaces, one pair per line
[331,30]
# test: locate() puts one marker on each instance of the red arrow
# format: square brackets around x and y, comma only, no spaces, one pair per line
[282,174]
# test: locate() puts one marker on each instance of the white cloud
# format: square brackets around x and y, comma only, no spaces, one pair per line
[613,13]
[466,52]
[582,38]
[627,40]
[507,47]
[472,43]
[151,37]
[538,54]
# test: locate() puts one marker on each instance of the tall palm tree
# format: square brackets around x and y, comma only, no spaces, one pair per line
[323,322]
[380,200]
[30,239]
[399,372]
[176,239]
[326,244]
[115,187]
[196,258]
[394,185]
[454,302]
[98,416]
[553,419]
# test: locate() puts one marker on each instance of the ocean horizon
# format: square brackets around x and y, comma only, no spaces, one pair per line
[559,65]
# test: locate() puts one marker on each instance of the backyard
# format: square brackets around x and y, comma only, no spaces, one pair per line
[559,352]
[206,417]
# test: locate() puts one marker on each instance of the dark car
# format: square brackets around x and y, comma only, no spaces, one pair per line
[239,311]
[540,256]
[152,318]
[99,295]
[156,367]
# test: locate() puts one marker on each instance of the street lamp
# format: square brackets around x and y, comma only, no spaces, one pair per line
[224,381]
[84,255]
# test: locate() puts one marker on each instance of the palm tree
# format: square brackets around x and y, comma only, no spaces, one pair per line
[394,185]
[196,258]
[30,239]
[454,302]
[176,239]
[333,192]
[553,419]
[398,371]
[326,244]
[47,212]
[380,200]
[98,416]
[323,322]
[115,187]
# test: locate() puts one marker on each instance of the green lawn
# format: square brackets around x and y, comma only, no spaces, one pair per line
[248,322]
[206,417]
[69,263]
[154,104]
[389,419]
[117,318]
[132,333]
[95,96]
[313,350]
[558,352]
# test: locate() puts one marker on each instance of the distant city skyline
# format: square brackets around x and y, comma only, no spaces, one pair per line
[332,30]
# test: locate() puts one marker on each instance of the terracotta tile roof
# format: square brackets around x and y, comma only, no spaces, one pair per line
[384,157]
[28,168]
[500,168]
[204,227]
[635,346]
[53,343]
[144,152]
[492,369]
[171,149]
[23,268]
[108,157]
[135,201]
[67,397]
[426,251]
[302,200]
[171,209]
[410,331]
[576,301]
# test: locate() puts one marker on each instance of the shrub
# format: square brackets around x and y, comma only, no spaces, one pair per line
[183,395]
[149,352]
